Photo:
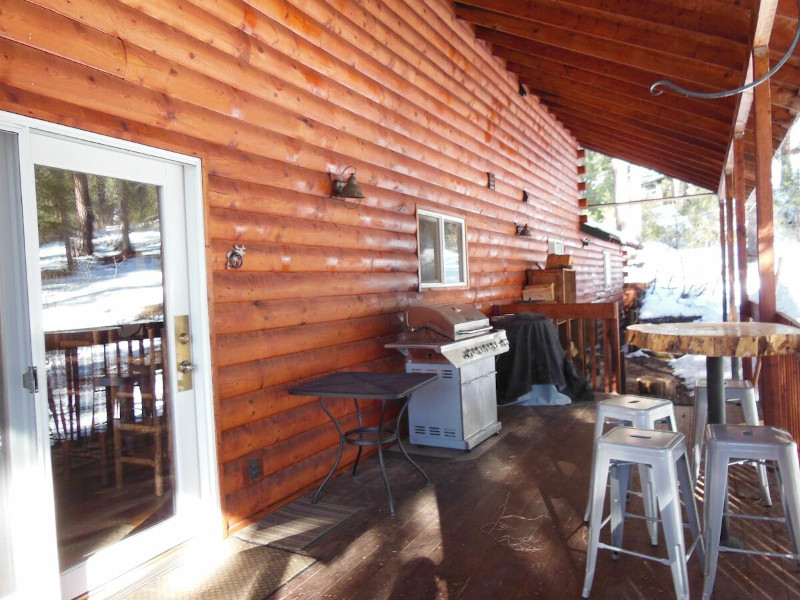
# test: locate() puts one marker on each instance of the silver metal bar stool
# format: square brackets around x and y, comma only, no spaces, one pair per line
[635,411]
[726,443]
[736,392]
[665,453]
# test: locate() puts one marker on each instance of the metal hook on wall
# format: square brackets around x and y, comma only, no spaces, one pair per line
[235,257]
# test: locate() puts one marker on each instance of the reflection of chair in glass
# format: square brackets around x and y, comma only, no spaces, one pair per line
[143,424]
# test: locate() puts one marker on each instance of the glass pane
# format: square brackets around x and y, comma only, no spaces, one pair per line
[6,570]
[429,249]
[453,252]
[103,312]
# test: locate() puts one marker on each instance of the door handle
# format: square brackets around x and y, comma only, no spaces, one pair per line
[187,367]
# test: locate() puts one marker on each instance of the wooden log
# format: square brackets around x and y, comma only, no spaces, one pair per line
[268,200]
[294,258]
[261,345]
[33,26]
[559,261]
[241,317]
[231,286]
[656,385]
[257,375]
[254,409]
[542,292]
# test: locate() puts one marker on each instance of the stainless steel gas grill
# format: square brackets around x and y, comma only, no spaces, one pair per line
[455,341]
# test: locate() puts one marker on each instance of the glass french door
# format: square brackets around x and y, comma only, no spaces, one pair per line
[122,426]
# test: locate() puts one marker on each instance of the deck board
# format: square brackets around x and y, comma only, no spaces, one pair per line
[508,524]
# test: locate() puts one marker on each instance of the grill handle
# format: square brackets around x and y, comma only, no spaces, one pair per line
[475,331]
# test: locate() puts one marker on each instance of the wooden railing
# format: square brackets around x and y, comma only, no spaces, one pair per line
[779,384]
[590,335]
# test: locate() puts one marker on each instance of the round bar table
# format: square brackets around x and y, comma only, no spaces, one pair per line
[716,341]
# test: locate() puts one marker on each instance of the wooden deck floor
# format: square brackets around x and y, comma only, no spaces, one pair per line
[505,521]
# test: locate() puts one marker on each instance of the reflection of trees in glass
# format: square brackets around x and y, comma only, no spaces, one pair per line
[73,206]
[429,249]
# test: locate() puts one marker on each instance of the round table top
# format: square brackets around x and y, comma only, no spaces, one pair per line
[716,339]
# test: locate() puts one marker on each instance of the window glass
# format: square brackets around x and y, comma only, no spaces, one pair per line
[429,245]
[442,250]
[453,252]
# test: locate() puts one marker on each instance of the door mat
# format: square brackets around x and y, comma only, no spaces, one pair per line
[296,525]
[244,571]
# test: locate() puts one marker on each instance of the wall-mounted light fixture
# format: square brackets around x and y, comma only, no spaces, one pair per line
[523,230]
[585,242]
[526,197]
[345,187]
[522,91]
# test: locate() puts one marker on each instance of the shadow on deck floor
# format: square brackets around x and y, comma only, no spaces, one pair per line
[506,522]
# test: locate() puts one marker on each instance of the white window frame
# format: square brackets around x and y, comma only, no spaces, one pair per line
[442,219]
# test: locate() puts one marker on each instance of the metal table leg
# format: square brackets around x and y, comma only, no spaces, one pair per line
[338,457]
[400,442]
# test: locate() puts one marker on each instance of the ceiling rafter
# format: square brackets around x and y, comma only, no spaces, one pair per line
[592,62]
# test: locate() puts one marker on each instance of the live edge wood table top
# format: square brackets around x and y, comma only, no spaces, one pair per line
[716,339]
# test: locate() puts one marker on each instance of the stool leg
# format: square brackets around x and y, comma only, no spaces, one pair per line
[716,491]
[599,422]
[620,482]
[648,486]
[600,470]
[699,418]
[750,412]
[669,503]
[790,493]
[687,491]
[649,498]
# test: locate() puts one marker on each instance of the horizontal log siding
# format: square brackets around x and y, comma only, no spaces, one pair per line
[273,96]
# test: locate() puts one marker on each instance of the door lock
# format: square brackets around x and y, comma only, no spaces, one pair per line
[183,353]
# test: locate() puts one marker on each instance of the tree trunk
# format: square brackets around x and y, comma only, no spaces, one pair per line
[126,189]
[85,214]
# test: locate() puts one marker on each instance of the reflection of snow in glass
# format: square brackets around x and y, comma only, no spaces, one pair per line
[98,294]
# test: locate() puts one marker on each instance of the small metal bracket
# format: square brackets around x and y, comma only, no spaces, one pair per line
[30,380]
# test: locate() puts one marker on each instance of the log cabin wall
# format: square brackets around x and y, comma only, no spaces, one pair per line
[273,96]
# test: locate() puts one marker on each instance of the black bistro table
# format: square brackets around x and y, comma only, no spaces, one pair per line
[377,386]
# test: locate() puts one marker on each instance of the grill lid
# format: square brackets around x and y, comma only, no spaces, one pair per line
[456,321]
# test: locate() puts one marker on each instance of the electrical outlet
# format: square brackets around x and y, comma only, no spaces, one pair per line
[254,469]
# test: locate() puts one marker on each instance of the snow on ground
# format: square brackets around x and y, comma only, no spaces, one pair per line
[689,283]
[101,295]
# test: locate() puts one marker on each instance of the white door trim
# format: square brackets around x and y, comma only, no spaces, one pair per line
[203,517]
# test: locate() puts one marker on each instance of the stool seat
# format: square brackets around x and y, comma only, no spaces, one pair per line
[726,443]
[664,454]
[635,411]
[736,392]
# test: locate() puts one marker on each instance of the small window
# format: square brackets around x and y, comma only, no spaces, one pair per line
[442,250]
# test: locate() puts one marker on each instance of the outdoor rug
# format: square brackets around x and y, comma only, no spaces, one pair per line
[296,525]
[238,571]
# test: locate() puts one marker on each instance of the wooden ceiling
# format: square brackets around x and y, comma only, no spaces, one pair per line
[592,62]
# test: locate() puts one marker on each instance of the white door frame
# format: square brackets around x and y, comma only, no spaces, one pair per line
[198,505]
